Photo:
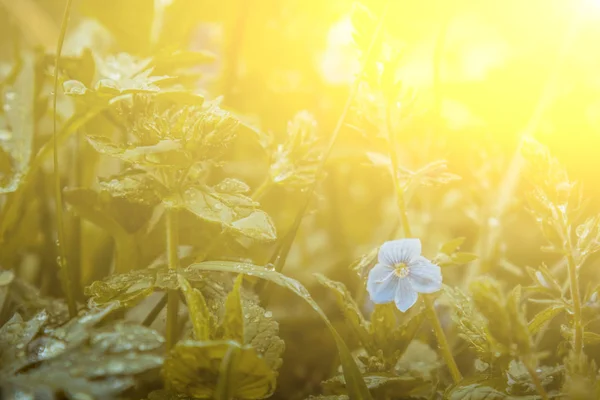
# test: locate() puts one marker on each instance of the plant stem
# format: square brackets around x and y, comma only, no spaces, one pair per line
[155,311]
[535,379]
[173,260]
[576,298]
[441,339]
[427,300]
[394,165]
[62,254]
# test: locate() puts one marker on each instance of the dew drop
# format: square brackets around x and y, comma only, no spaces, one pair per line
[268,314]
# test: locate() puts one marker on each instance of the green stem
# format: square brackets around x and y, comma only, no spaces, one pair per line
[535,379]
[62,254]
[575,297]
[173,260]
[427,300]
[441,339]
[394,165]
[155,311]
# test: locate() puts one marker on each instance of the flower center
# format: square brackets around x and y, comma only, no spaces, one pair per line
[401,270]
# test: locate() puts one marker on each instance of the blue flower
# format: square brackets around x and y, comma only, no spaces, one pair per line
[401,273]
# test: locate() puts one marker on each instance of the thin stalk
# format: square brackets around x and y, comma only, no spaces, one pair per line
[281,251]
[536,380]
[173,260]
[394,165]
[155,311]
[441,339]
[427,300]
[62,254]
[575,297]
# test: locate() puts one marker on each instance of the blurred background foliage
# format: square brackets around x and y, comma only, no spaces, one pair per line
[484,73]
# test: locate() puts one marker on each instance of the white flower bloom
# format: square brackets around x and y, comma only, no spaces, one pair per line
[401,273]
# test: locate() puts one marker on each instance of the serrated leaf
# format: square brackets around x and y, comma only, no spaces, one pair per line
[233,210]
[79,359]
[129,288]
[261,332]
[159,154]
[233,323]
[543,317]
[356,386]
[520,331]
[476,392]
[490,302]
[192,368]
[200,315]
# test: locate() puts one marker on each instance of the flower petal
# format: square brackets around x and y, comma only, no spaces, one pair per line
[406,296]
[424,276]
[381,284]
[399,251]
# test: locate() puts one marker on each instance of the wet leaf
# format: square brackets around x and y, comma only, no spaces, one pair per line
[233,322]
[261,332]
[233,210]
[356,386]
[131,287]
[192,368]
[78,358]
[452,246]
[201,318]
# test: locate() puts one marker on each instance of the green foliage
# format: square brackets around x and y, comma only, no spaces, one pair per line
[196,160]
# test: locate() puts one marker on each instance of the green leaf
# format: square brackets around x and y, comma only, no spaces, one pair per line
[365,262]
[79,359]
[543,317]
[356,387]
[463,258]
[226,382]
[233,323]
[15,335]
[382,385]
[261,332]
[16,139]
[419,361]
[477,392]
[129,288]
[156,154]
[518,322]
[200,315]
[349,308]
[193,367]
[133,186]
[224,204]
[490,302]
[451,246]
[471,325]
